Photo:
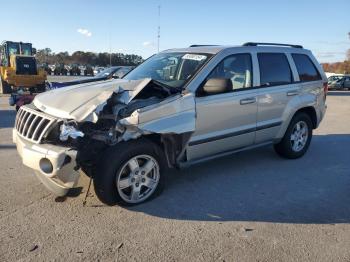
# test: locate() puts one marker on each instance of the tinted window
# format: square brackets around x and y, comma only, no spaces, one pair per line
[306,69]
[274,69]
[237,68]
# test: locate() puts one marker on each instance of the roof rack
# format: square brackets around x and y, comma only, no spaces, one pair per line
[201,45]
[273,44]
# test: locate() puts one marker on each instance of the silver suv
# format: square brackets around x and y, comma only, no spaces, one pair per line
[178,108]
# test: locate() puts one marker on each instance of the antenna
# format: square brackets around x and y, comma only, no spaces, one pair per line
[158,26]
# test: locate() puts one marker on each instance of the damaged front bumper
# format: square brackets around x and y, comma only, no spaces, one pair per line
[53,165]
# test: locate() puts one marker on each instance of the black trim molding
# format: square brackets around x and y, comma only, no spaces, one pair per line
[236,133]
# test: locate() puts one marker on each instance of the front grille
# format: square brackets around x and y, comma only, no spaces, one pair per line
[33,125]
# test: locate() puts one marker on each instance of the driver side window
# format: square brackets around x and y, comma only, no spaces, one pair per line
[237,68]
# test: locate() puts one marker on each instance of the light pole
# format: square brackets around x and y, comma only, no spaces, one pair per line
[110,50]
[158,26]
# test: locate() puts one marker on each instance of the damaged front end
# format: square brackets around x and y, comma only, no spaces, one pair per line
[133,109]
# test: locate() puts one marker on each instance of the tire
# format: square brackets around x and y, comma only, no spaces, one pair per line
[115,165]
[5,88]
[41,88]
[288,147]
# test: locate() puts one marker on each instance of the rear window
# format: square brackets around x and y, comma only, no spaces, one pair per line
[306,68]
[274,69]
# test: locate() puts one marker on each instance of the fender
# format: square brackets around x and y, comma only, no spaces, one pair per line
[175,115]
[306,99]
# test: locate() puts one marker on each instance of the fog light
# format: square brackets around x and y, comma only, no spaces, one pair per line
[46,165]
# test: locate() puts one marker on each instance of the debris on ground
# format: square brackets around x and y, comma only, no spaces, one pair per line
[34,247]
[120,246]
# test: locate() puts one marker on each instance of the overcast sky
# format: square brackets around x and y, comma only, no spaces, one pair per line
[131,26]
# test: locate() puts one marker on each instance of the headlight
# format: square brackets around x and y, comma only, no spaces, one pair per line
[69,131]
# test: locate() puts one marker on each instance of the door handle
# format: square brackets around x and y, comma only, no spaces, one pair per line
[293,93]
[246,101]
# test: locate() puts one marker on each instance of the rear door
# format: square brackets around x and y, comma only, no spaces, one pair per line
[278,87]
[227,121]
[347,82]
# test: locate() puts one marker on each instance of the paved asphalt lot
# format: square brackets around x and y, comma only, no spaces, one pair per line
[253,206]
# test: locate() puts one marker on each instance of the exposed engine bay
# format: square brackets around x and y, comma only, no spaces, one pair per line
[157,111]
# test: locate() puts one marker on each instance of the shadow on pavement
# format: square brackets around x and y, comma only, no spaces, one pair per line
[260,186]
[7,118]
[72,193]
[338,93]
[5,147]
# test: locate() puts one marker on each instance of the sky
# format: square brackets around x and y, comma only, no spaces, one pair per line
[131,26]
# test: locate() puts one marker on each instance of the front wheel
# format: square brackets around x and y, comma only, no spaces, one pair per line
[129,173]
[297,138]
[5,88]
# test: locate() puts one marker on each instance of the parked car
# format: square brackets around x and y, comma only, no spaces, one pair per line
[180,107]
[98,70]
[334,78]
[111,72]
[74,70]
[88,71]
[20,98]
[339,83]
[60,69]
[46,67]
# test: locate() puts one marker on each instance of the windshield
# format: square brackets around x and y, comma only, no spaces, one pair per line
[26,49]
[172,69]
[106,72]
[13,48]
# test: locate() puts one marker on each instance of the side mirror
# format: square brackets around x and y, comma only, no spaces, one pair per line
[217,86]
[115,77]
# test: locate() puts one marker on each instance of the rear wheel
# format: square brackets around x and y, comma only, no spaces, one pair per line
[297,138]
[5,88]
[130,173]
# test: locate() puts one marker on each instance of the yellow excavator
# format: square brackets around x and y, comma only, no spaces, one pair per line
[18,68]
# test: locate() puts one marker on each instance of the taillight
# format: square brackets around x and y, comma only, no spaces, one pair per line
[325,89]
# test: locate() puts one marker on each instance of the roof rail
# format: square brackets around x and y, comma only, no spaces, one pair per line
[201,45]
[273,44]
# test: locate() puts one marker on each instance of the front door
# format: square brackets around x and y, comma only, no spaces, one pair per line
[226,121]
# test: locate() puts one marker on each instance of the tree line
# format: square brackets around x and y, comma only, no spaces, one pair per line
[87,58]
[339,67]
[105,59]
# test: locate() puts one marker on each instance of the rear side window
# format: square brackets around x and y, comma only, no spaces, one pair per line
[306,68]
[274,69]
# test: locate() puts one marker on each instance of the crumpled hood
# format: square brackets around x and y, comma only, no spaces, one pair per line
[79,101]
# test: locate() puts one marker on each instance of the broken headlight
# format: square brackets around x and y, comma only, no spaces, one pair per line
[69,130]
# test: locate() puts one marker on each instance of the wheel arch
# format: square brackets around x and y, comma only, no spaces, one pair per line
[307,109]
[311,112]
[173,145]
